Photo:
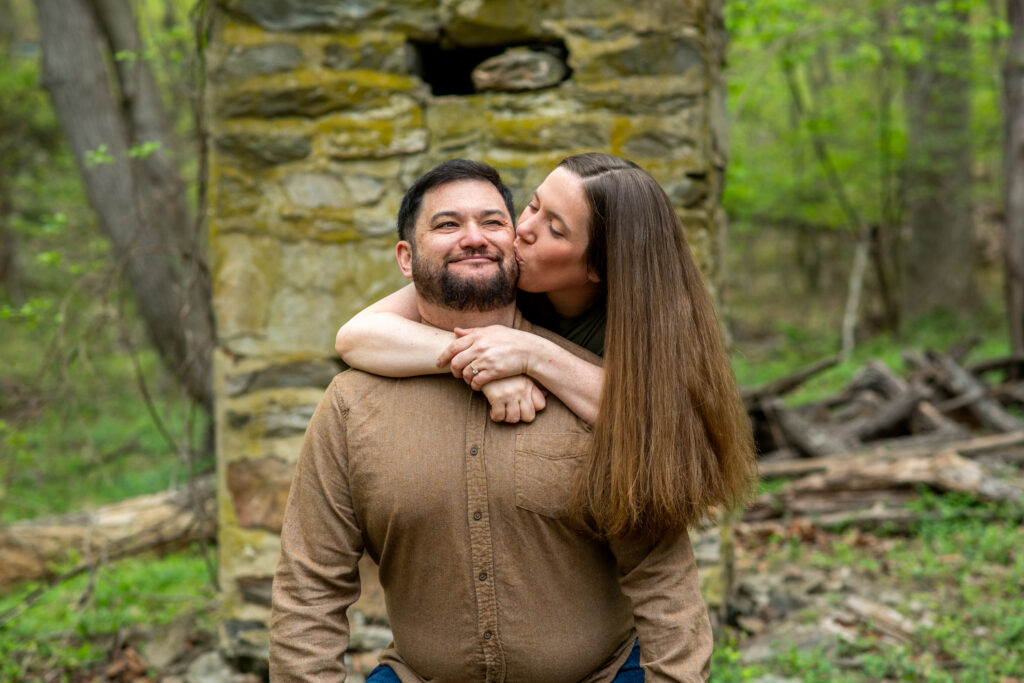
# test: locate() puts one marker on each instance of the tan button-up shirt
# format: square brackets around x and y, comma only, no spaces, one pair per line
[484,576]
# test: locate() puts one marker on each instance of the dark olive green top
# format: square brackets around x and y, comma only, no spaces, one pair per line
[586,329]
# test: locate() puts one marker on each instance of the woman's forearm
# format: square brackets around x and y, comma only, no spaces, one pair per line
[572,379]
[387,339]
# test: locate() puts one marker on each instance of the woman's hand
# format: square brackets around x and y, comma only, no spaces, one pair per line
[514,399]
[484,354]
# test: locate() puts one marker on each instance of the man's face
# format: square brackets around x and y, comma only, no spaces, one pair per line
[463,258]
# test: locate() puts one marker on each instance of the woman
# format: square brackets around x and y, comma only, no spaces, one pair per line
[601,240]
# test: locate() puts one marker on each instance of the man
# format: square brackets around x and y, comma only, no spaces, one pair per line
[485,575]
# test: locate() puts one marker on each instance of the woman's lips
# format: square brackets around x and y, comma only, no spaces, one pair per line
[519,258]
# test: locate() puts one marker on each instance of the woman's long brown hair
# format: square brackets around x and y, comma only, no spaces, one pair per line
[672,439]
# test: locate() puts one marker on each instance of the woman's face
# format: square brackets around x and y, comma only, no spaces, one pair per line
[551,244]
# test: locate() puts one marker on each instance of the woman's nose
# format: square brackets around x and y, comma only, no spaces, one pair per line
[525,230]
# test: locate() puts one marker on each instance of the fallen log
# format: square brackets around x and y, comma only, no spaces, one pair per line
[813,438]
[159,521]
[968,391]
[947,471]
[966,448]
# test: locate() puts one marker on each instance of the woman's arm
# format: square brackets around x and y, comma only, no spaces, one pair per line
[496,351]
[387,339]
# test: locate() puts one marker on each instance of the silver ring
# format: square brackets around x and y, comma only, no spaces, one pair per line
[475,371]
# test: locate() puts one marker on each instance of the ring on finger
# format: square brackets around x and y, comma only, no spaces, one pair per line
[473,370]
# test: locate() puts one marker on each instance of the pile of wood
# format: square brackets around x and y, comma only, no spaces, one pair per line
[857,458]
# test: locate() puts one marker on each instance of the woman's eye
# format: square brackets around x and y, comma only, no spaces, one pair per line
[554,232]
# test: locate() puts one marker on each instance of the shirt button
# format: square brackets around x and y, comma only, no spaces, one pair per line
[483,576]
[474,450]
[477,515]
[487,635]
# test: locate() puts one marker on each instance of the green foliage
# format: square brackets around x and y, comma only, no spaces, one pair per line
[847,60]
[73,626]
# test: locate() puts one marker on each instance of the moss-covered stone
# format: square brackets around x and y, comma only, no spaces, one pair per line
[415,17]
[241,62]
[265,148]
[547,133]
[640,95]
[232,193]
[311,94]
[373,51]
[245,273]
[497,22]
[395,130]
[295,374]
[633,54]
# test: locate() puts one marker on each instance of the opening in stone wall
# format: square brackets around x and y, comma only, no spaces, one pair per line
[457,70]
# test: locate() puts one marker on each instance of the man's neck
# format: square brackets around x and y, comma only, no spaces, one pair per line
[448,319]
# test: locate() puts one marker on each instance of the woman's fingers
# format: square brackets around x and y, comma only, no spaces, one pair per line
[454,349]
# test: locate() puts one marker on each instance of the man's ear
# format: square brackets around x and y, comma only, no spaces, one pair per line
[403,254]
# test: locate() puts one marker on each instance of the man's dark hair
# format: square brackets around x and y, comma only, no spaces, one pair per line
[448,172]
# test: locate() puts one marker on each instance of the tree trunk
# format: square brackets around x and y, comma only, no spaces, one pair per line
[140,199]
[1013,173]
[938,266]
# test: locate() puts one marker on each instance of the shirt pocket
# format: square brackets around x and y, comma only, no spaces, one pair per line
[546,467]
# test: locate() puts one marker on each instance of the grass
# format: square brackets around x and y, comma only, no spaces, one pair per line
[959,579]
[73,626]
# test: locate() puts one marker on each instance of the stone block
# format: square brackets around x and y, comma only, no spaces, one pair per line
[311,94]
[245,272]
[232,193]
[259,490]
[240,62]
[419,18]
[497,22]
[265,148]
[640,95]
[388,52]
[316,374]
[326,189]
[645,54]
[396,130]
[519,69]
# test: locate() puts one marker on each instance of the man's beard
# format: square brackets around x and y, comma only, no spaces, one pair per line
[438,285]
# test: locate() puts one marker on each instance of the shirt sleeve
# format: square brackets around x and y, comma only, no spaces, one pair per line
[317,575]
[671,619]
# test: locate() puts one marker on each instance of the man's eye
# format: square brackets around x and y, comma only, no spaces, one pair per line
[446,224]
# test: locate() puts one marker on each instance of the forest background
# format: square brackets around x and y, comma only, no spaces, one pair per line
[869,212]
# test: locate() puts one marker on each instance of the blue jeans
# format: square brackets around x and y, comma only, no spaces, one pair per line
[629,673]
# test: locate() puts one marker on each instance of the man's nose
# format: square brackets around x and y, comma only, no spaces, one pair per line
[472,236]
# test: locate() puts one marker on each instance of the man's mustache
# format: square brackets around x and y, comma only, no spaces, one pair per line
[495,255]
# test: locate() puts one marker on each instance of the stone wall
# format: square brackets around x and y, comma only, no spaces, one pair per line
[321,112]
